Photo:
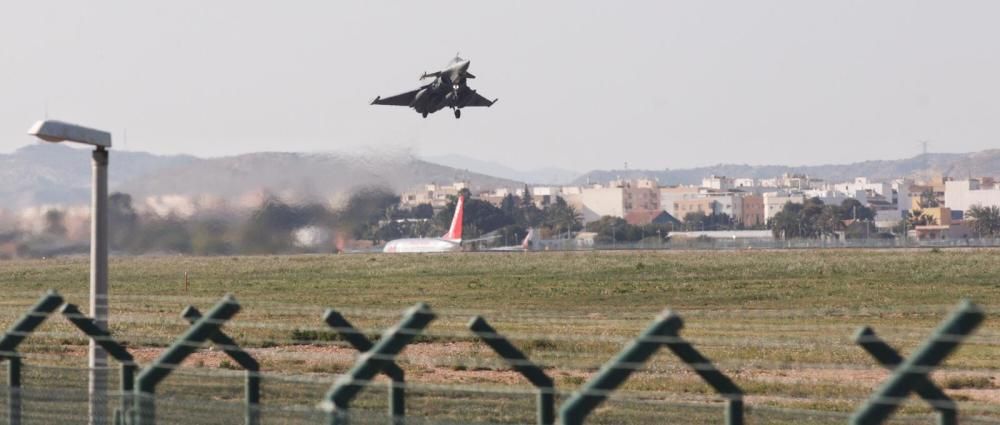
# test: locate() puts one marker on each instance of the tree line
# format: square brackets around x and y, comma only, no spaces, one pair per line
[372,214]
[509,221]
[375,215]
[269,228]
[814,219]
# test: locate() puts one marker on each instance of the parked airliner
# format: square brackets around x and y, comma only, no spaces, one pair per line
[451,241]
[526,244]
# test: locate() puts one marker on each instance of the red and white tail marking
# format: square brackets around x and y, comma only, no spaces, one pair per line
[455,231]
[526,244]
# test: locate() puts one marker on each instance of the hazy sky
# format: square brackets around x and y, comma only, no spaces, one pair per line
[582,84]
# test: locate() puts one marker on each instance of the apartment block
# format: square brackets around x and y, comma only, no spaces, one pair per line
[717,183]
[752,212]
[960,195]
[775,201]
[670,195]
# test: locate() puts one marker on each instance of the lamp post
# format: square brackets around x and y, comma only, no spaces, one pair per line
[58,131]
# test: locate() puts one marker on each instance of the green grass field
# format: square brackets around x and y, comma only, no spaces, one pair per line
[779,322]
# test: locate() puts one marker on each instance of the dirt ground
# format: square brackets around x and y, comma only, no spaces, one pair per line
[421,363]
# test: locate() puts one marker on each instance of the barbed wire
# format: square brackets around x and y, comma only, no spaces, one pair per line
[297,309]
[553,339]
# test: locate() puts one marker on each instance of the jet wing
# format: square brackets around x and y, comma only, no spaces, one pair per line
[486,238]
[476,99]
[404,99]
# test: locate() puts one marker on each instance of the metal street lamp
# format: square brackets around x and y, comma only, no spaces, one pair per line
[58,131]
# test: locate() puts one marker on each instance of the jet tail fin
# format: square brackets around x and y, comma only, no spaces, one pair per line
[455,231]
[432,74]
[526,244]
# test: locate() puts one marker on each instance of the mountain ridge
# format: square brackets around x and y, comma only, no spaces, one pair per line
[56,174]
[50,174]
[959,165]
[540,175]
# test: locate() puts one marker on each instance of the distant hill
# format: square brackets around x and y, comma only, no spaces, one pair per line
[545,175]
[58,174]
[302,175]
[48,173]
[984,163]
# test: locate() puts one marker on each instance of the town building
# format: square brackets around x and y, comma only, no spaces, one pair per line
[863,185]
[434,194]
[774,202]
[618,198]
[833,197]
[791,181]
[717,182]
[597,202]
[960,195]
[644,217]
[728,203]
[670,195]
[943,224]
[752,211]
[704,206]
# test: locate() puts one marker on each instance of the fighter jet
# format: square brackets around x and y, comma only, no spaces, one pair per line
[448,90]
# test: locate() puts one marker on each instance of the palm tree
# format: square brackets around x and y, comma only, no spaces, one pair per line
[562,218]
[929,199]
[784,225]
[918,218]
[828,222]
[985,221]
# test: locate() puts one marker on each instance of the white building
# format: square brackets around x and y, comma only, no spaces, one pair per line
[670,195]
[790,181]
[887,219]
[836,197]
[597,202]
[902,198]
[434,194]
[775,201]
[616,199]
[861,185]
[544,195]
[727,203]
[744,183]
[717,182]
[960,195]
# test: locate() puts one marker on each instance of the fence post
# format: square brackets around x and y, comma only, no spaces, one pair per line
[618,369]
[187,343]
[103,338]
[8,348]
[14,390]
[710,374]
[520,363]
[912,372]
[241,357]
[927,390]
[371,362]
[357,339]
[663,331]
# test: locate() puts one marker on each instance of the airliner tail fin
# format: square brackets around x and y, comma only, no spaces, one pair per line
[526,243]
[455,231]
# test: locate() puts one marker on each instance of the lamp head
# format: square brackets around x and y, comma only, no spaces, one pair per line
[58,131]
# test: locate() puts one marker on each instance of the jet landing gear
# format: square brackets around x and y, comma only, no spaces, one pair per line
[458,113]
[424,114]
